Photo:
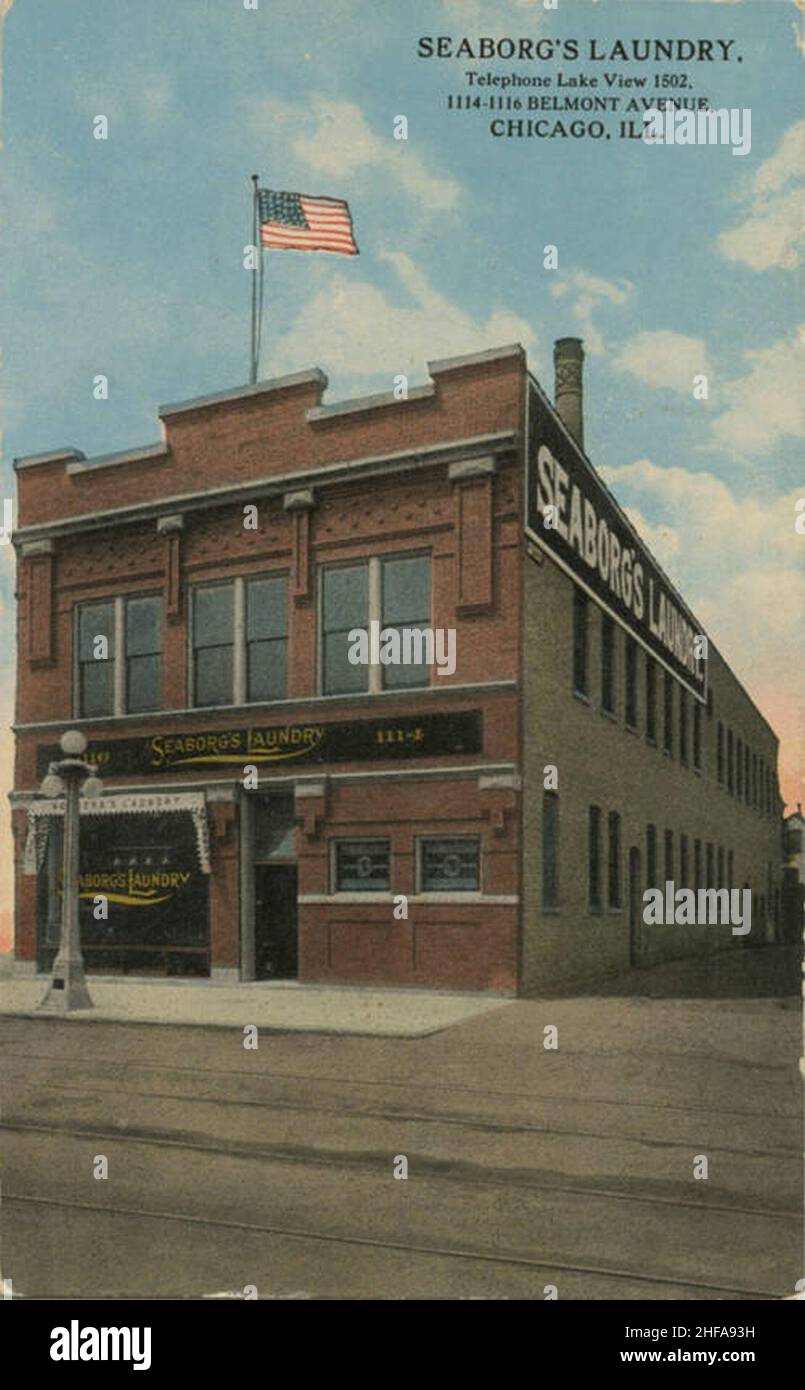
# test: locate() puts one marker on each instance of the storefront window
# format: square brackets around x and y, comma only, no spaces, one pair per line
[362,866]
[449,865]
[143,872]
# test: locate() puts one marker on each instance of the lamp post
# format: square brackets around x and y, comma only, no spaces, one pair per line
[68,777]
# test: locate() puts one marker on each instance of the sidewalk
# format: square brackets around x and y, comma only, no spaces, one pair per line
[284,1007]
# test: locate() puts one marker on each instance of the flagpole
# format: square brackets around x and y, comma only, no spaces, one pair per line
[258,270]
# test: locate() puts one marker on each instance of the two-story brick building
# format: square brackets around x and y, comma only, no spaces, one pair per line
[272,810]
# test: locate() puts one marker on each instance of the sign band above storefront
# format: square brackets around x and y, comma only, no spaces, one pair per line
[410,736]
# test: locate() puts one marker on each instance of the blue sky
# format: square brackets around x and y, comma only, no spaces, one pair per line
[123,256]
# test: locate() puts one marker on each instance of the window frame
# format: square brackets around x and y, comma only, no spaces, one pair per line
[335,842]
[550,798]
[118,657]
[240,640]
[614,902]
[595,896]
[374,612]
[422,891]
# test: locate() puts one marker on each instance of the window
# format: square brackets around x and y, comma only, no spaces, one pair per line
[669,856]
[143,654]
[213,645]
[362,866]
[651,699]
[709,871]
[754,779]
[668,706]
[683,861]
[697,864]
[739,769]
[747,790]
[697,734]
[594,875]
[651,856]
[450,865]
[730,763]
[239,640]
[344,606]
[550,850]
[631,683]
[730,868]
[607,664]
[580,620]
[720,867]
[121,674]
[266,638]
[720,753]
[683,726]
[393,593]
[406,604]
[614,894]
[96,660]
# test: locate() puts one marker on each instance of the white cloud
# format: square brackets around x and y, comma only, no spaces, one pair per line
[336,142]
[766,403]
[740,568]
[771,235]
[591,292]
[382,335]
[663,358]
[488,17]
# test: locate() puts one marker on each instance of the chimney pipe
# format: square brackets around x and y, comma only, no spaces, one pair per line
[568,359]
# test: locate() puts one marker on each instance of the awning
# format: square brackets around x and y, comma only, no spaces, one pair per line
[41,812]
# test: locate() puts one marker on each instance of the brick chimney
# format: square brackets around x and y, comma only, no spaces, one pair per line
[568,360]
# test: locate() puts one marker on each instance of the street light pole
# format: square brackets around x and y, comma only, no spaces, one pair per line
[67,989]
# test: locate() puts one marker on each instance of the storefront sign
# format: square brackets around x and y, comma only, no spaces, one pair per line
[573,517]
[411,736]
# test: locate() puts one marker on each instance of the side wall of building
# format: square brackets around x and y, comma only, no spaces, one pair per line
[602,763]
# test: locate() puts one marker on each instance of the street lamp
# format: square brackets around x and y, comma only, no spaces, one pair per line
[69,777]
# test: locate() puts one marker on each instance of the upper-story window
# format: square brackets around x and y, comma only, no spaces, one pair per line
[607,664]
[239,641]
[631,683]
[580,625]
[389,599]
[119,656]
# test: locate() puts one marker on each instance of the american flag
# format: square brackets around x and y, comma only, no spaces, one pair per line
[298,222]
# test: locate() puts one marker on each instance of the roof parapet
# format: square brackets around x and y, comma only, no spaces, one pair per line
[314,376]
[52,456]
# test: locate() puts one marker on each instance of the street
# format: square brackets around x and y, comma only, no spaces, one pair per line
[529,1169]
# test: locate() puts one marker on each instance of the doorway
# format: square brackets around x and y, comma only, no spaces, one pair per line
[637,945]
[275,922]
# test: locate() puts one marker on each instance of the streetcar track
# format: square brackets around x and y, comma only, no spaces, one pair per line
[413,1084]
[367,1242]
[445,1170]
[493,1126]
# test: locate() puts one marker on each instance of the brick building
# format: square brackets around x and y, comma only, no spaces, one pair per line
[272,810]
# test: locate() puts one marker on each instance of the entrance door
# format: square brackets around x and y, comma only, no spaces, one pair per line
[637,949]
[275,928]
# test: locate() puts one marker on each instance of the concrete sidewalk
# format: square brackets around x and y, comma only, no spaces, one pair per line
[277,1007]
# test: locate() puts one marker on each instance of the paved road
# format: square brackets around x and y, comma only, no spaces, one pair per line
[527,1167]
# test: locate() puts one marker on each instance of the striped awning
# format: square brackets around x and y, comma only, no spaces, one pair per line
[40,814]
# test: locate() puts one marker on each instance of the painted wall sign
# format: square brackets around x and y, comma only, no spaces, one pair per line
[411,736]
[591,540]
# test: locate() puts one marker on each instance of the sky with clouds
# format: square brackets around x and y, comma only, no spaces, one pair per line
[124,257]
